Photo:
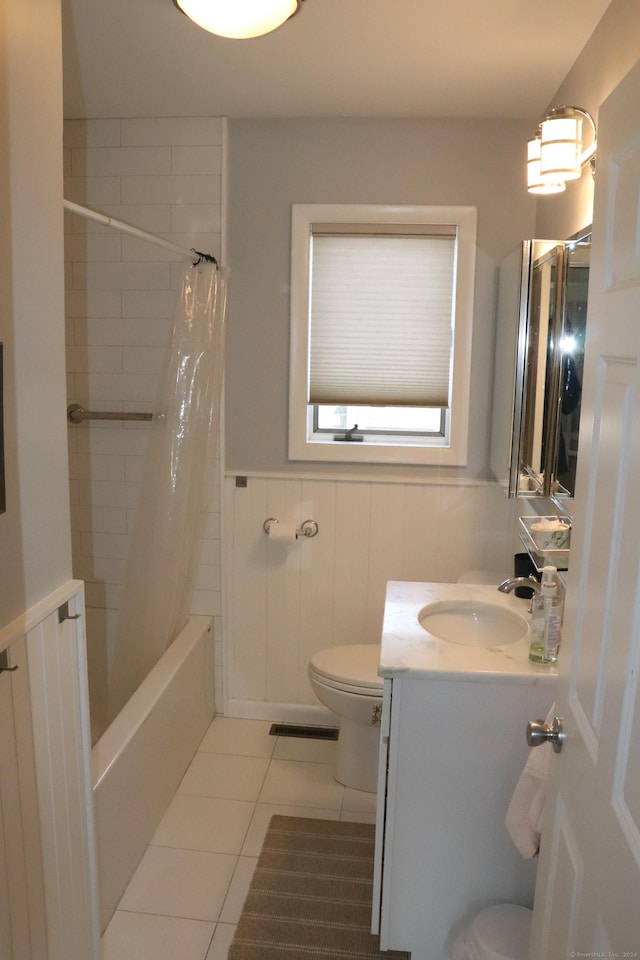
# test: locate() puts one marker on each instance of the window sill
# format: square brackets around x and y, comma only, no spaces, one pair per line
[331,451]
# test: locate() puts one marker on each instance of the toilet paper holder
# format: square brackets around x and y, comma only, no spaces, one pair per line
[308,528]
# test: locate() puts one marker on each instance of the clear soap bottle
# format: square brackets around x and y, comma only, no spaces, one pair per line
[546,619]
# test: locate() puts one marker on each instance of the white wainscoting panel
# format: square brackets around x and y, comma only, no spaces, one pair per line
[46,785]
[56,655]
[22,905]
[285,602]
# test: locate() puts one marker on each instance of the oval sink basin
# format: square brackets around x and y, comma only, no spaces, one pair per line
[473,623]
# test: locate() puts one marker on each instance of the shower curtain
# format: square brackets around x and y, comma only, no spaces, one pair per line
[176,486]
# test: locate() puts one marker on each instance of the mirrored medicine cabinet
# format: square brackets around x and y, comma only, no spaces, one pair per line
[540,333]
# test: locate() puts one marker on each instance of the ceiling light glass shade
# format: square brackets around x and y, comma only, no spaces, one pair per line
[561,146]
[239,19]
[535,183]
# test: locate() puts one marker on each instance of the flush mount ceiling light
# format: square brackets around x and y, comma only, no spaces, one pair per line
[556,155]
[239,19]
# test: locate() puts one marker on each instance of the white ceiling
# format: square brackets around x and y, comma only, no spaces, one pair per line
[379,58]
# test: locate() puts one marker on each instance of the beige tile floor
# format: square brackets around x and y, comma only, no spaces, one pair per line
[186,896]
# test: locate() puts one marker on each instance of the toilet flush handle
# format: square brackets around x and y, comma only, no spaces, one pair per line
[538,732]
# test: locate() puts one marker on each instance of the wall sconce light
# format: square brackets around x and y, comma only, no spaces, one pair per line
[239,19]
[535,183]
[556,154]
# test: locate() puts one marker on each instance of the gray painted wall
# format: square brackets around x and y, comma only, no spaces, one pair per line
[274,163]
[611,52]
[35,539]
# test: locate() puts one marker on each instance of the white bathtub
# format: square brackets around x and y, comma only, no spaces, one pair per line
[140,759]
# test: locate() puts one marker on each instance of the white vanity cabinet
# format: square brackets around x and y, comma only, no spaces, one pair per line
[452,749]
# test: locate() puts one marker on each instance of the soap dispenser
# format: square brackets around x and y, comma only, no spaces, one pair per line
[546,619]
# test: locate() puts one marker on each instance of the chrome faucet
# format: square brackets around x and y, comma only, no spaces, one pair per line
[530,582]
[511,583]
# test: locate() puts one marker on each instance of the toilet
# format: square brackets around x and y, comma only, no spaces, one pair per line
[345,679]
[500,932]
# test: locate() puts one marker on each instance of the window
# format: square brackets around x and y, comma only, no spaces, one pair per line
[381,311]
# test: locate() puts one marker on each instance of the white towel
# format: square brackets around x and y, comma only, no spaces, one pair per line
[524,814]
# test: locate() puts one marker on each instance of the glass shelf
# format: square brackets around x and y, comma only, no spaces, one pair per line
[542,557]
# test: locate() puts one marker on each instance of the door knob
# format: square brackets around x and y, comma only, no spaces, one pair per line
[538,732]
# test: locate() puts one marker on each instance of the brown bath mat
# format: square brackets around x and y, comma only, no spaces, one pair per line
[310,897]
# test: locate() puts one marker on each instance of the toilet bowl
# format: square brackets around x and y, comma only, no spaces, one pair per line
[500,932]
[345,679]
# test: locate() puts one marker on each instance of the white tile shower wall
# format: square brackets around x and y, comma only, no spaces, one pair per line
[286,602]
[165,176]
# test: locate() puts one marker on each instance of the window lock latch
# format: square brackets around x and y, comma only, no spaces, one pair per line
[350,436]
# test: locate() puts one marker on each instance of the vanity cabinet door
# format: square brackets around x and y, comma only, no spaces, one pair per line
[456,749]
[381,808]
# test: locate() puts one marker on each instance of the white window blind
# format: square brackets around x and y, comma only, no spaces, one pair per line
[381,319]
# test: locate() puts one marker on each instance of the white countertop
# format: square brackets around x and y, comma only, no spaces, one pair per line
[408,650]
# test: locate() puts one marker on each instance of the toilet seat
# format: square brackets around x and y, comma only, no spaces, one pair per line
[353,668]
[500,932]
[346,687]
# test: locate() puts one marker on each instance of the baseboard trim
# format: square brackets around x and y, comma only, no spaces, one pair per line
[280,712]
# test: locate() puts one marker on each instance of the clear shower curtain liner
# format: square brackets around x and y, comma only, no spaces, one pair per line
[176,487]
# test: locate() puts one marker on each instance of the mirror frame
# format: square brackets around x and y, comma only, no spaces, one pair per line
[536,253]
[559,495]
[543,483]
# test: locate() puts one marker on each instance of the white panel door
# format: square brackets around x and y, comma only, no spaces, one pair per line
[588,891]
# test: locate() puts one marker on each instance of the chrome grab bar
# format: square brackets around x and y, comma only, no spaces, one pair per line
[76,413]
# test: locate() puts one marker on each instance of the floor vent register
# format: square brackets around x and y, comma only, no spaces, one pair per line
[301,730]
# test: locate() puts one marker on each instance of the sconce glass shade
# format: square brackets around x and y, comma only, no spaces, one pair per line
[561,145]
[535,182]
[239,19]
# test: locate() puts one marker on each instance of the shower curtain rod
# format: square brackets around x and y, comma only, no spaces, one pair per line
[137,232]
